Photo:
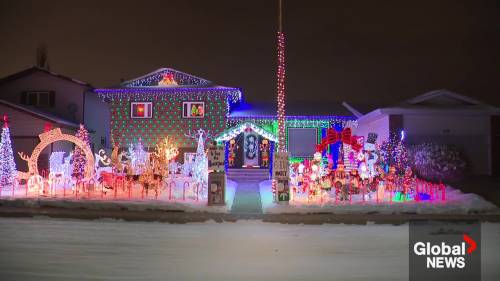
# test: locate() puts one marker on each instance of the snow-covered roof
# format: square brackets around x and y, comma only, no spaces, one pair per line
[235,131]
[442,97]
[433,102]
[41,114]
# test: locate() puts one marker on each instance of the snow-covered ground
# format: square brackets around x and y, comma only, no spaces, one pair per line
[55,249]
[456,203]
[162,203]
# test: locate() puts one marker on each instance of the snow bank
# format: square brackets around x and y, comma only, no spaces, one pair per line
[130,205]
[456,203]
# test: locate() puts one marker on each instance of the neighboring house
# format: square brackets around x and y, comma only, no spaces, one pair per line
[26,124]
[172,103]
[59,96]
[443,117]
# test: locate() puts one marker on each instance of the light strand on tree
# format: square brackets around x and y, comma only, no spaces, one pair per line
[7,164]
[79,159]
[280,88]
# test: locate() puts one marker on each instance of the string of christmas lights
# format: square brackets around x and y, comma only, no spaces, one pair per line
[181,78]
[7,164]
[233,95]
[280,88]
[298,121]
[79,157]
[235,131]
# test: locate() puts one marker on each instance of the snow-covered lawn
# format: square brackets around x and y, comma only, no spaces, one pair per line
[57,249]
[121,203]
[456,203]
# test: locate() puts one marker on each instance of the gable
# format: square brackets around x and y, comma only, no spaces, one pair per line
[443,101]
[167,78]
[233,132]
[34,73]
[443,98]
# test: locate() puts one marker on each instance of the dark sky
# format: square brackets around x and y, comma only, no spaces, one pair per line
[371,51]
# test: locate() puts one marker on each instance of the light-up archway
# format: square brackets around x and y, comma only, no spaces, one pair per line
[48,138]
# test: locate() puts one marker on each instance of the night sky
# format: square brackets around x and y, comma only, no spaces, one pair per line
[358,51]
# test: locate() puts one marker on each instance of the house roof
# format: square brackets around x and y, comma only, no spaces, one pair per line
[442,97]
[438,101]
[40,114]
[268,109]
[234,131]
[34,69]
[166,81]
[168,78]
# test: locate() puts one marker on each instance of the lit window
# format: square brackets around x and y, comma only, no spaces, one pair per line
[193,109]
[141,110]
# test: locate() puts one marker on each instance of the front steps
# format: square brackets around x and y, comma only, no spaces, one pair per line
[248,174]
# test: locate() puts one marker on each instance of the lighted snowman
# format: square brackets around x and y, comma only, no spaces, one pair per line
[368,158]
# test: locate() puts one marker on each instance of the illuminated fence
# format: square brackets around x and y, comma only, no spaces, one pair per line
[109,187]
[418,191]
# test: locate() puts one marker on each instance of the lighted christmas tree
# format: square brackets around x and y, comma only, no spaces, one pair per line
[78,159]
[200,168]
[7,164]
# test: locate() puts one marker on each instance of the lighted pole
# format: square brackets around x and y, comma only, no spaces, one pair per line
[280,85]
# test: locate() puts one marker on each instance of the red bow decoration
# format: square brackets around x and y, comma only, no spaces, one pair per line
[345,136]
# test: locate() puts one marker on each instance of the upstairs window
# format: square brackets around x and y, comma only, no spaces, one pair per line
[141,110]
[38,98]
[193,109]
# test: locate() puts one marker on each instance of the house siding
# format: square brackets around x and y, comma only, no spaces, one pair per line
[380,126]
[167,120]
[67,94]
[24,130]
[470,133]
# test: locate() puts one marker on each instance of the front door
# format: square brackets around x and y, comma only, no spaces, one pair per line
[250,149]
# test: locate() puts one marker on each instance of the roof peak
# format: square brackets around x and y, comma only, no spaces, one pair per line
[420,99]
[166,77]
[34,68]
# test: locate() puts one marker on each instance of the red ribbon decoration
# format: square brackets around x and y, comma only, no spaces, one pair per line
[345,136]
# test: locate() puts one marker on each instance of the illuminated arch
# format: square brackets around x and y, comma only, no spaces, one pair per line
[50,137]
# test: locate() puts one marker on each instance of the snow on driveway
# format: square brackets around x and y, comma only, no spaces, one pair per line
[56,249]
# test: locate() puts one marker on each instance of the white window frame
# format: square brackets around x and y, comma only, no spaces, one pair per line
[148,114]
[189,103]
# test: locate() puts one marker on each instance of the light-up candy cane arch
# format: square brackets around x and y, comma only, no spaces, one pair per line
[48,138]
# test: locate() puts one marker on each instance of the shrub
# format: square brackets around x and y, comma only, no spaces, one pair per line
[438,162]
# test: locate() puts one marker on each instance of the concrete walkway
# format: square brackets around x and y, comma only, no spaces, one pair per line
[247,198]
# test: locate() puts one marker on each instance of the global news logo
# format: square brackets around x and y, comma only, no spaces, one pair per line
[445,256]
